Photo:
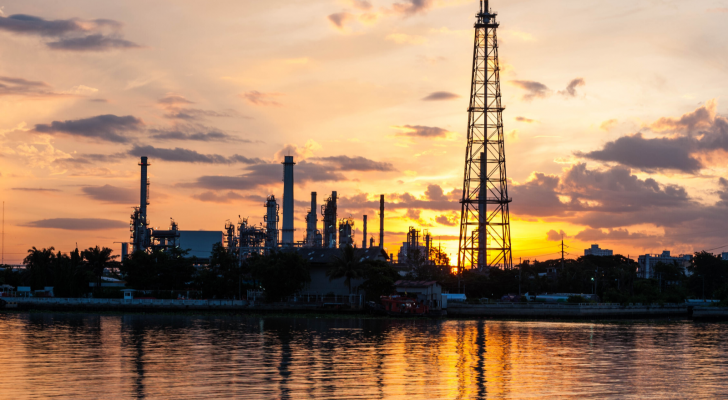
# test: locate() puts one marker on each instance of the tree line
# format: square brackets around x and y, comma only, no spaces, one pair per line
[281,274]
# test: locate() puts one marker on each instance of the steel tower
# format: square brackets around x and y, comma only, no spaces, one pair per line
[485,230]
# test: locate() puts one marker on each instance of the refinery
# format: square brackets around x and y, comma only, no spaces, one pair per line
[244,239]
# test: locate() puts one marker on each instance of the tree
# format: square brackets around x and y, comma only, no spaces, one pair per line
[38,266]
[97,259]
[159,270]
[380,277]
[439,257]
[709,274]
[222,276]
[281,273]
[345,265]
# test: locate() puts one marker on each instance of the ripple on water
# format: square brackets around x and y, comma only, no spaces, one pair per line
[184,357]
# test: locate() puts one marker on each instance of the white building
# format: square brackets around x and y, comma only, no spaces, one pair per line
[596,251]
[647,263]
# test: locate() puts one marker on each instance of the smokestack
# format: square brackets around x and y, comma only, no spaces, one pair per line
[143,193]
[381,221]
[311,222]
[287,237]
[124,251]
[364,241]
[482,216]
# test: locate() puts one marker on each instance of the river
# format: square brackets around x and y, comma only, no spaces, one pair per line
[81,356]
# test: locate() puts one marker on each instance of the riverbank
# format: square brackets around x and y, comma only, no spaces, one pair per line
[569,311]
[521,311]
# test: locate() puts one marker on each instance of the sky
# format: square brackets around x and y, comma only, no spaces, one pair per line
[616,130]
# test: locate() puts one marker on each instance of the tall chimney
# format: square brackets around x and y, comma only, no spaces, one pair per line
[311,222]
[287,236]
[364,241]
[143,194]
[482,214]
[381,221]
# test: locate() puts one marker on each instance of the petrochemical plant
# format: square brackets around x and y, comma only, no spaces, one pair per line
[485,236]
[245,239]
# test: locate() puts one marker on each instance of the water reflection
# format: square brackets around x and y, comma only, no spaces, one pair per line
[142,356]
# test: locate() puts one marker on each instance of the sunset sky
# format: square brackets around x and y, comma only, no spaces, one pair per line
[616,128]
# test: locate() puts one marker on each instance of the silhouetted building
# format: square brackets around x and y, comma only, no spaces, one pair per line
[596,251]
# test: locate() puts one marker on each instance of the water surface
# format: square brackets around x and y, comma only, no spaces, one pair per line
[80,356]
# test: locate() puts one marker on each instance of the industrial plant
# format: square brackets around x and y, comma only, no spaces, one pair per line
[485,237]
[245,239]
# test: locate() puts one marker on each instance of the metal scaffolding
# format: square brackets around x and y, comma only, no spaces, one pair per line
[485,232]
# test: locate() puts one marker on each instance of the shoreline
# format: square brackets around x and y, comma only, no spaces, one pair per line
[506,311]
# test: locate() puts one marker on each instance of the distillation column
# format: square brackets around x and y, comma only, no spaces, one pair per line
[287,237]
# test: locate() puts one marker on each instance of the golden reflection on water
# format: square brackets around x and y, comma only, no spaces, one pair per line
[137,356]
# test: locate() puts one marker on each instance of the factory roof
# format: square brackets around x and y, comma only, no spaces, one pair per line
[328,255]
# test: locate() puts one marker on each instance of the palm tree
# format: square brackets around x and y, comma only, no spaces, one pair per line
[346,266]
[38,265]
[98,259]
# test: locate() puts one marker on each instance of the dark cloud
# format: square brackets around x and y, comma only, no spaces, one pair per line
[412,7]
[358,163]
[70,34]
[173,99]
[190,156]
[414,215]
[534,89]
[447,220]
[526,120]
[537,197]
[554,236]
[112,194]
[617,190]
[175,107]
[261,99]
[10,86]
[434,96]
[78,224]
[262,175]
[108,127]
[195,113]
[593,235]
[695,135]
[649,154]
[339,19]
[98,100]
[212,136]
[35,189]
[701,118]
[570,90]
[606,198]
[435,193]
[421,131]
[96,42]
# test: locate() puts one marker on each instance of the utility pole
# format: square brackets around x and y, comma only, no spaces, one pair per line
[562,252]
[3,251]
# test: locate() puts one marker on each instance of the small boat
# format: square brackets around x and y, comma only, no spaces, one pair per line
[399,306]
